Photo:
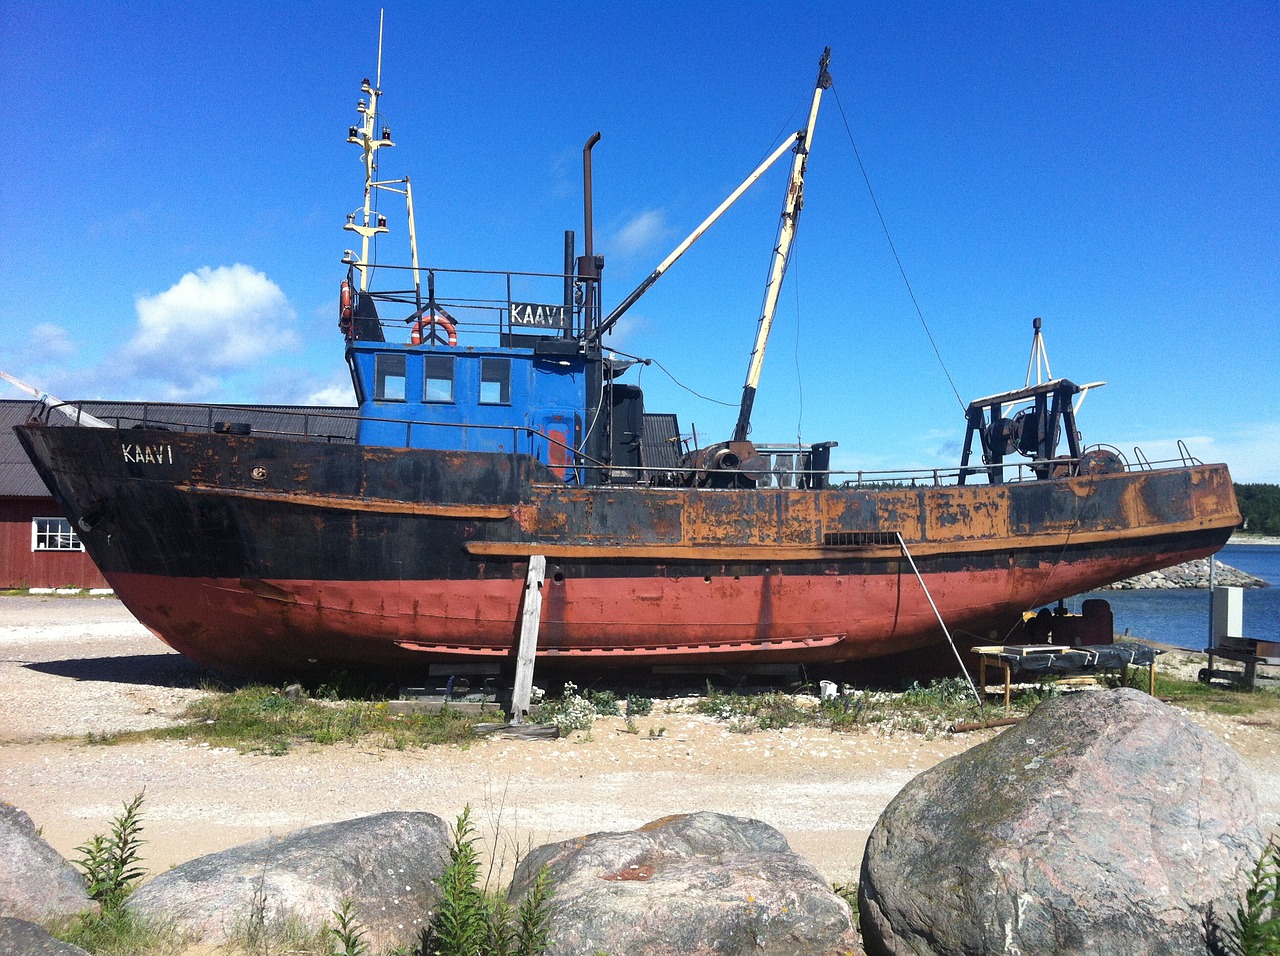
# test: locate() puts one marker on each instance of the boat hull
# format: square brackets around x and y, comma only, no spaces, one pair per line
[256,552]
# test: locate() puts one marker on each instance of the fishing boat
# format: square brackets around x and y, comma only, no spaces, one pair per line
[498,450]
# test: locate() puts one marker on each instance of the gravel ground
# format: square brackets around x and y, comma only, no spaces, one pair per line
[73,667]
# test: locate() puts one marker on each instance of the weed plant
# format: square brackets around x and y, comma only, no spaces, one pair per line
[469,922]
[849,893]
[920,709]
[639,706]
[1254,928]
[347,936]
[573,711]
[111,865]
[605,702]
[111,862]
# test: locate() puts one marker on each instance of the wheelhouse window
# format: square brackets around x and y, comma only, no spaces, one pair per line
[495,381]
[53,534]
[437,385]
[389,378]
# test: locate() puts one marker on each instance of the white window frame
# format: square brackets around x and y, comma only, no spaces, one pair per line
[54,534]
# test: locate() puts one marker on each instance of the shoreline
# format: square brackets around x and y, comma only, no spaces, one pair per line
[1264,540]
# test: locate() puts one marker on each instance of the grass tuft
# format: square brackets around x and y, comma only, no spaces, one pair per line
[268,720]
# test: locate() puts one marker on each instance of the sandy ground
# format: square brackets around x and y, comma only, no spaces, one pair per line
[73,667]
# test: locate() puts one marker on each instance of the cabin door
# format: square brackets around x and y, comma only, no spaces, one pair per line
[559,433]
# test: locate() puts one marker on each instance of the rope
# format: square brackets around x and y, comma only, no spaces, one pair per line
[892,248]
[938,614]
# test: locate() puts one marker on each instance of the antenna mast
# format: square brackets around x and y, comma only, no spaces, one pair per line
[366,222]
[382,15]
[1039,356]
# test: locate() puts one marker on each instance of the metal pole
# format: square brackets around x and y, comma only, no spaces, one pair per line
[1211,581]
[587,270]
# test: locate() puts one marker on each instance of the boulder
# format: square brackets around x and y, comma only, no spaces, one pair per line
[694,884]
[36,883]
[21,938]
[385,864]
[1106,823]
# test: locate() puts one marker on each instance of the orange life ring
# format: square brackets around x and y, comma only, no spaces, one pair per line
[441,319]
[344,300]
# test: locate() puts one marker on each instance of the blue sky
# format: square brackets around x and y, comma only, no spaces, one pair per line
[177,176]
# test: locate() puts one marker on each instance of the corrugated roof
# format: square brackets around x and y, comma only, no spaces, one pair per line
[18,477]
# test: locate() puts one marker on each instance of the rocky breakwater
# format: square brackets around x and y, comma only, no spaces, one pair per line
[1192,574]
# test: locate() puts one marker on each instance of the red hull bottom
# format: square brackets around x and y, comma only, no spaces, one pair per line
[624,621]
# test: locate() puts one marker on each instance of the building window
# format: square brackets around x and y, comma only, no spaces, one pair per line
[437,384]
[495,381]
[389,378]
[53,534]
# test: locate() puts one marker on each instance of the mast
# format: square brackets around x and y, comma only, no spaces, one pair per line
[364,222]
[786,234]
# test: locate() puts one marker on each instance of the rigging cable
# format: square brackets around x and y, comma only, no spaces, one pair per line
[654,361]
[892,248]
[795,288]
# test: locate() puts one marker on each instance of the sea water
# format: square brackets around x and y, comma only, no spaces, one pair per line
[1181,617]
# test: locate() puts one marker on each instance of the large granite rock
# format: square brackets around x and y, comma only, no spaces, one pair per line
[385,864]
[36,883]
[1106,823]
[18,937]
[696,884]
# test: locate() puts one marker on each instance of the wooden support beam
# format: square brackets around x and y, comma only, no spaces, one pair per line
[530,618]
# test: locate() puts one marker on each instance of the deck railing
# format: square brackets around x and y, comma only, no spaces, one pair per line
[784,469]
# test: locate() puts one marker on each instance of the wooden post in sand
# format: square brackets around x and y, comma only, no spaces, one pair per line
[529,620]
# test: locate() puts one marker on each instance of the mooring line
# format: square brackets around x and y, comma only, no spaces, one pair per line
[955,650]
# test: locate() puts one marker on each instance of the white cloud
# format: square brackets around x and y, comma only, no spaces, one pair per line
[641,232]
[1248,450]
[630,329]
[225,318]
[337,393]
[197,336]
[38,354]
[49,342]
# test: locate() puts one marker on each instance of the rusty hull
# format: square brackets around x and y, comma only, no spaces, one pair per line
[249,551]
